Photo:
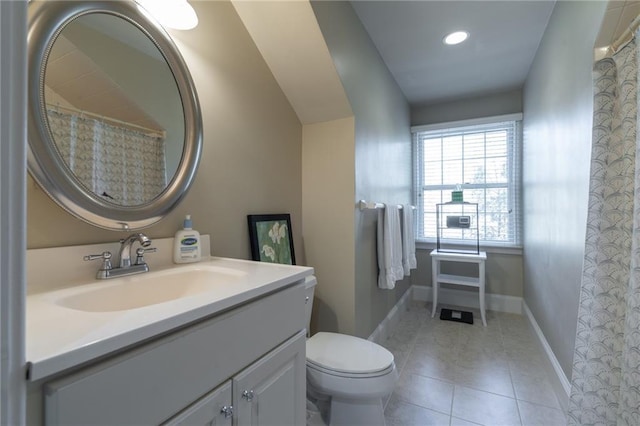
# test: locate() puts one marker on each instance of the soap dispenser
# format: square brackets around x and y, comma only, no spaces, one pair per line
[186,244]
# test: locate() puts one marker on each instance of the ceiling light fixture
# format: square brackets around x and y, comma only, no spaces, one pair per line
[176,14]
[455,38]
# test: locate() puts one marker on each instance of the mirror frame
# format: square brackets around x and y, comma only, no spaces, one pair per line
[46,20]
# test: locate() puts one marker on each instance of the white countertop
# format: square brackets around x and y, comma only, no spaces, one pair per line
[60,337]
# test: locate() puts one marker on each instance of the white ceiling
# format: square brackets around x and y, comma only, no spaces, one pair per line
[616,20]
[504,38]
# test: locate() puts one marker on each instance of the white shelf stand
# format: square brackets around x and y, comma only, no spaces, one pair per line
[438,277]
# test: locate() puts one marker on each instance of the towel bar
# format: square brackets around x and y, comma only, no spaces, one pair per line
[367,205]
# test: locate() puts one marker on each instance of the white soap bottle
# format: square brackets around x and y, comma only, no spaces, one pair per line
[186,244]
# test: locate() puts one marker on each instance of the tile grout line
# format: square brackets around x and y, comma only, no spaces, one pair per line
[417,322]
[404,363]
[513,386]
[453,397]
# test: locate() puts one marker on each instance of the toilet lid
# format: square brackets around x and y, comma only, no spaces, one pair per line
[348,354]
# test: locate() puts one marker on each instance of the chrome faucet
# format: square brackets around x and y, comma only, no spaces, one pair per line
[125,267]
[125,247]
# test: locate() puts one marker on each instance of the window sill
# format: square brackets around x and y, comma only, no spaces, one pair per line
[516,251]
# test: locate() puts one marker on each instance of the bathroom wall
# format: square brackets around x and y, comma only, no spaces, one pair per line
[382,150]
[504,271]
[464,109]
[251,159]
[557,145]
[328,176]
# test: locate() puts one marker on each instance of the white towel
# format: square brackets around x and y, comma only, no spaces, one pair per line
[389,247]
[408,240]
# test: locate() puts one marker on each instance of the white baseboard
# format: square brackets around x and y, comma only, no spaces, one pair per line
[452,296]
[562,378]
[388,324]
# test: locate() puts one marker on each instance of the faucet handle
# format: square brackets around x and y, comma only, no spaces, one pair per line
[106,260]
[140,254]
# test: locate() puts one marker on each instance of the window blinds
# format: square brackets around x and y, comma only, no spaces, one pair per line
[485,160]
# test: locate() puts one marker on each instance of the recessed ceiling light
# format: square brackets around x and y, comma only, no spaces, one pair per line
[456,37]
[176,14]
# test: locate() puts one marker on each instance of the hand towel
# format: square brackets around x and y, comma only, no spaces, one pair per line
[389,247]
[408,240]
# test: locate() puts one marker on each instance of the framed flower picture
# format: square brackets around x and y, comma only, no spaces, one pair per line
[271,239]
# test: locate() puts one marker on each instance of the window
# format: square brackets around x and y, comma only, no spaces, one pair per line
[483,157]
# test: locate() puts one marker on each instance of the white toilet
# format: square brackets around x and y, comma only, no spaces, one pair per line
[353,373]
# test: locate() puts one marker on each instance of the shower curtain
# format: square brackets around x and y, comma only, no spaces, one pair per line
[123,166]
[606,365]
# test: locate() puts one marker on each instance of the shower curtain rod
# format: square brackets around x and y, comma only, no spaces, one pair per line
[148,131]
[626,36]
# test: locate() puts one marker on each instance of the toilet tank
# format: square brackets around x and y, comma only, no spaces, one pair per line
[310,285]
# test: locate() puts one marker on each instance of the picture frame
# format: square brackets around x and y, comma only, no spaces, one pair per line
[271,238]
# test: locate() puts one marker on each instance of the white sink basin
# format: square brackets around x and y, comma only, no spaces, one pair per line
[152,288]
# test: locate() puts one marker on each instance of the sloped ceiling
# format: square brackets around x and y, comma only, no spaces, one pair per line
[408,34]
[291,43]
[75,78]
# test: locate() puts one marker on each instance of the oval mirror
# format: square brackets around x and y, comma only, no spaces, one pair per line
[115,131]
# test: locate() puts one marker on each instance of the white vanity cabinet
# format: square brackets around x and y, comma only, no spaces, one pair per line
[214,409]
[272,390]
[251,358]
[269,392]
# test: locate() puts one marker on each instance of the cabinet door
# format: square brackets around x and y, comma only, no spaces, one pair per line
[152,382]
[272,391]
[213,409]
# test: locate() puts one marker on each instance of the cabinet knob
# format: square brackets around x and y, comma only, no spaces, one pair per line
[227,411]
[248,395]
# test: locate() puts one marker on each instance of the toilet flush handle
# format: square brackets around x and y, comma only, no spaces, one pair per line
[248,395]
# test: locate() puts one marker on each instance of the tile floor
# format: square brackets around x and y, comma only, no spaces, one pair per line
[458,374]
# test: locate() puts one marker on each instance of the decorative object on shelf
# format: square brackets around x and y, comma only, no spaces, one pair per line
[271,238]
[456,196]
[457,228]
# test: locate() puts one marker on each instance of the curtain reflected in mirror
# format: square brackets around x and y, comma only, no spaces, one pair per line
[114,122]
[122,163]
[114,109]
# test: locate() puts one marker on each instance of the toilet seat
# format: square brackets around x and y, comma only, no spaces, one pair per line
[353,374]
[321,369]
[347,356]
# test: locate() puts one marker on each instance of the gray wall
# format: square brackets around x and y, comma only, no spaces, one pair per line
[464,109]
[557,144]
[382,149]
[503,271]
[251,159]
